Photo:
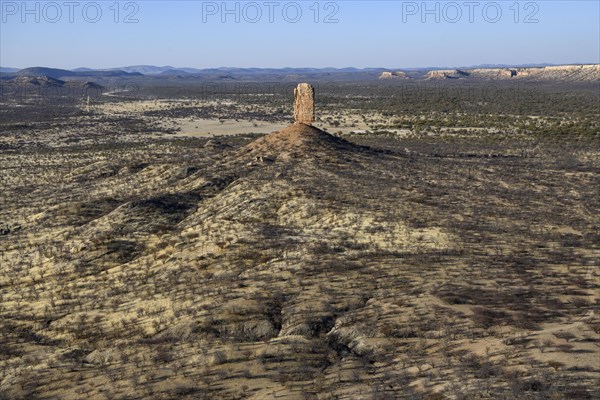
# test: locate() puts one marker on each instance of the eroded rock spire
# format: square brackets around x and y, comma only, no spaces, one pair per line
[304,104]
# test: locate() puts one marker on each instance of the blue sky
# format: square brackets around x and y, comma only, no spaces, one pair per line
[391,34]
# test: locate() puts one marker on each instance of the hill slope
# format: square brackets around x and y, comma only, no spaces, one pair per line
[296,266]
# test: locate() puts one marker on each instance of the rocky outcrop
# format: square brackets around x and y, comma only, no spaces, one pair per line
[493,73]
[566,73]
[571,73]
[304,104]
[393,75]
[446,74]
[300,139]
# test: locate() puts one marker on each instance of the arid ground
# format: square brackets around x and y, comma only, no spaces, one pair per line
[424,248]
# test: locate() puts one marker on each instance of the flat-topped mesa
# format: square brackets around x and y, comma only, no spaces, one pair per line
[304,104]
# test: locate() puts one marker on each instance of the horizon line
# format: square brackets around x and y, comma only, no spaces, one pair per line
[488,65]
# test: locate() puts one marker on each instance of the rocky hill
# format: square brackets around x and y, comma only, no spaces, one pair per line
[446,74]
[21,88]
[566,73]
[562,73]
[393,75]
[41,81]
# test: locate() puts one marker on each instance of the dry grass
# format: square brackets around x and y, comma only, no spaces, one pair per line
[299,265]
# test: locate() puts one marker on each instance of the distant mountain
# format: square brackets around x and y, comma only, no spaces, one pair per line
[174,72]
[8,70]
[148,69]
[169,70]
[112,73]
[581,72]
[287,70]
[43,71]
[64,73]
[222,73]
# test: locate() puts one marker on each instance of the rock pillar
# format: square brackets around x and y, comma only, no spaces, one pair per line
[304,104]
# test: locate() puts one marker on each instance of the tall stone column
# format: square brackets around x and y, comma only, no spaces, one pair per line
[304,104]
